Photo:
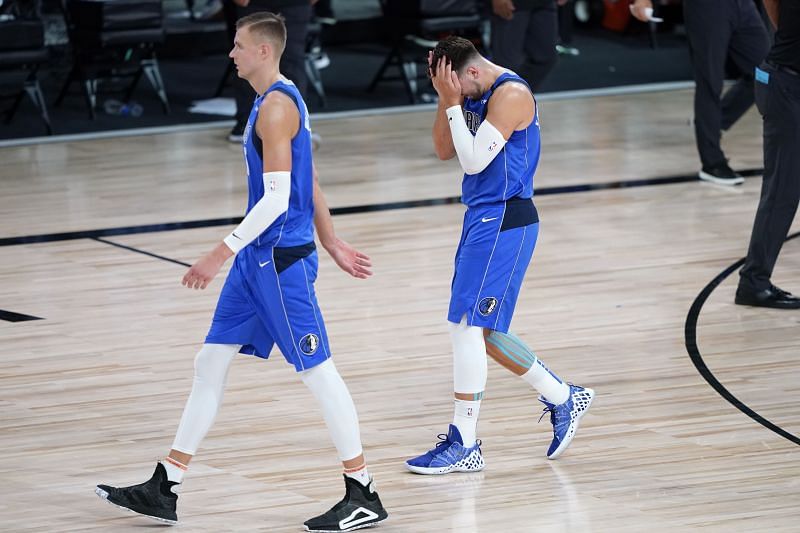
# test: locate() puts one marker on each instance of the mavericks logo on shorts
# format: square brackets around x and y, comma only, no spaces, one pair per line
[487,306]
[309,344]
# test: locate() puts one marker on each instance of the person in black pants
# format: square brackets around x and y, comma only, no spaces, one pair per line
[524,36]
[777,94]
[718,30]
[297,15]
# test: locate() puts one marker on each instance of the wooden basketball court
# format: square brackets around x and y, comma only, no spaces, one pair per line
[92,393]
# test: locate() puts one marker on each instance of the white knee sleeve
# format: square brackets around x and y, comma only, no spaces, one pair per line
[337,406]
[470,366]
[210,373]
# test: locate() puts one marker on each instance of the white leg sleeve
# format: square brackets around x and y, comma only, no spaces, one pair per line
[470,366]
[340,415]
[210,373]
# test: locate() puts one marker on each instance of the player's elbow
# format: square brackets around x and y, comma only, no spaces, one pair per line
[444,154]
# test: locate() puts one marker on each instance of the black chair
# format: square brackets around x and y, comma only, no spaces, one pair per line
[114,40]
[415,26]
[22,52]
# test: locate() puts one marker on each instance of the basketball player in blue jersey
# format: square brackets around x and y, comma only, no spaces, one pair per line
[268,297]
[488,118]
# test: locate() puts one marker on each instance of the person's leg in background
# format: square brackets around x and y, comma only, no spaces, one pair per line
[508,37]
[778,98]
[565,16]
[709,27]
[748,47]
[293,59]
[540,44]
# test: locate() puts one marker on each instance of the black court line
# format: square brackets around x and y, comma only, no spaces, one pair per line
[138,251]
[697,358]
[11,316]
[230,221]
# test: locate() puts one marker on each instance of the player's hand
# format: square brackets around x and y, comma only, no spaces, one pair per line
[638,9]
[350,260]
[206,268]
[242,3]
[446,83]
[503,8]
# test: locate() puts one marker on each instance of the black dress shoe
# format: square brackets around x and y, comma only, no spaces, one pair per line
[773,297]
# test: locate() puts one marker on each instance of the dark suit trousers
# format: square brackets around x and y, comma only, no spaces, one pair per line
[779,104]
[719,30]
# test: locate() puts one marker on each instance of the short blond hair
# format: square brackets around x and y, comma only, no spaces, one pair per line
[266,25]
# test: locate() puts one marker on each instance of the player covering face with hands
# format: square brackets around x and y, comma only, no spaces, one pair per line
[487,117]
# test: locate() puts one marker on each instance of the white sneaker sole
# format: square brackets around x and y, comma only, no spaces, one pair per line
[441,470]
[104,496]
[571,435]
[720,181]
[363,526]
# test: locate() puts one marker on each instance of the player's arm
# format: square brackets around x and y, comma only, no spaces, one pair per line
[277,123]
[510,107]
[349,259]
[442,140]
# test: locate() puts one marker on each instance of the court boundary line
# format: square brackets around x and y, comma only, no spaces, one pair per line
[690,332]
[348,210]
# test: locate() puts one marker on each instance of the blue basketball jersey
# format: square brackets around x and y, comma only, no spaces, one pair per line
[296,225]
[510,174]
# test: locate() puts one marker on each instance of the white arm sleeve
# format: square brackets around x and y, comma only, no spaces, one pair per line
[474,152]
[273,204]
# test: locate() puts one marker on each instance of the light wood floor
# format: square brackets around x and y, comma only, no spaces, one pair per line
[93,392]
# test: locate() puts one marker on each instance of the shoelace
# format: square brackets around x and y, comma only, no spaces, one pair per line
[443,442]
[557,416]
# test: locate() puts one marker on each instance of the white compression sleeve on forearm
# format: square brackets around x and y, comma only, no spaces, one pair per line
[474,152]
[275,202]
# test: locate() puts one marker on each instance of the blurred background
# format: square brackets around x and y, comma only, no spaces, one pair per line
[76,66]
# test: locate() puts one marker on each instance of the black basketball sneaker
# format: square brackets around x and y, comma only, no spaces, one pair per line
[153,498]
[361,507]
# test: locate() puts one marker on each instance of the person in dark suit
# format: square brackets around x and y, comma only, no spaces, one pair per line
[524,37]
[777,93]
[718,30]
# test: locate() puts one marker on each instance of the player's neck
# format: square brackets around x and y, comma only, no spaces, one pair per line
[492,73]
[264,78]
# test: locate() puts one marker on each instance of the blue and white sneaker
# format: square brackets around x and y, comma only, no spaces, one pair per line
[565,418]
[449,455]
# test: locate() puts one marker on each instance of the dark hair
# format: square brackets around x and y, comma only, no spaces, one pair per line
[270,26]
[457,50]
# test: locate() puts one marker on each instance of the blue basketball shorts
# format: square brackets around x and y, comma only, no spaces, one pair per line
[496,246]
[268,298]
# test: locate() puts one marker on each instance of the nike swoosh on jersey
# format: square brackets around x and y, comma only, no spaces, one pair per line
[489,219]
[262,265]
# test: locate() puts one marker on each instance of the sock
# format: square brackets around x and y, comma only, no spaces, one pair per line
[465,418]
[548,384]
[175,469]
[359,473]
